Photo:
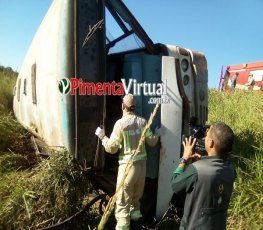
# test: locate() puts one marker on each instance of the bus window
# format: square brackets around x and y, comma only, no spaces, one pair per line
[33,82]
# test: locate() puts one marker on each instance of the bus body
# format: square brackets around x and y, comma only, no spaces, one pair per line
[74,45]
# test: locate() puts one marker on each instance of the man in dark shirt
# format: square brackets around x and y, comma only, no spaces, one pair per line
[208,182]
[234,81]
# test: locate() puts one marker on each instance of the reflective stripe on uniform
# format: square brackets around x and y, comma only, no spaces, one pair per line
[127,146]
[133,135]
[126,158]
[148,133]
[136,215]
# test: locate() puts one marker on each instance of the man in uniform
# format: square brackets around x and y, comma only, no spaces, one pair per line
[125,136]
[208,182]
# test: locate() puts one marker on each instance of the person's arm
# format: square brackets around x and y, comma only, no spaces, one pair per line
[185,175]
[183,179]
[150,138]
[113,143]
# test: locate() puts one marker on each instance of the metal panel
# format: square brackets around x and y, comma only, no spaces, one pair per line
[90,67]
[171,119]
[145,68]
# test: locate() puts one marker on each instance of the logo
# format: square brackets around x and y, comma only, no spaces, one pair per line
[64,86]
[157,92]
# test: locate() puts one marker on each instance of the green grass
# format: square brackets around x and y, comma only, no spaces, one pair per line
[246,211]
[43,196]
[243,111]
[7,83]
[13,137]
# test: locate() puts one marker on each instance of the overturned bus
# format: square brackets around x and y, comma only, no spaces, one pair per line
[73,46]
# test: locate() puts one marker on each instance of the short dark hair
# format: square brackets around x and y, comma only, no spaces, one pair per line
[223,137]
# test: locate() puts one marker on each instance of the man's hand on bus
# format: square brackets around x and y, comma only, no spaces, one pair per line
[159,131]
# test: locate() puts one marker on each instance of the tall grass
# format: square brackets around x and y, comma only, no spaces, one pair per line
[7,83]
[246,211]
[45,195]
[243,112]
[13,137]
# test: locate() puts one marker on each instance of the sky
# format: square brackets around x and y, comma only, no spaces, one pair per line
[228,32]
